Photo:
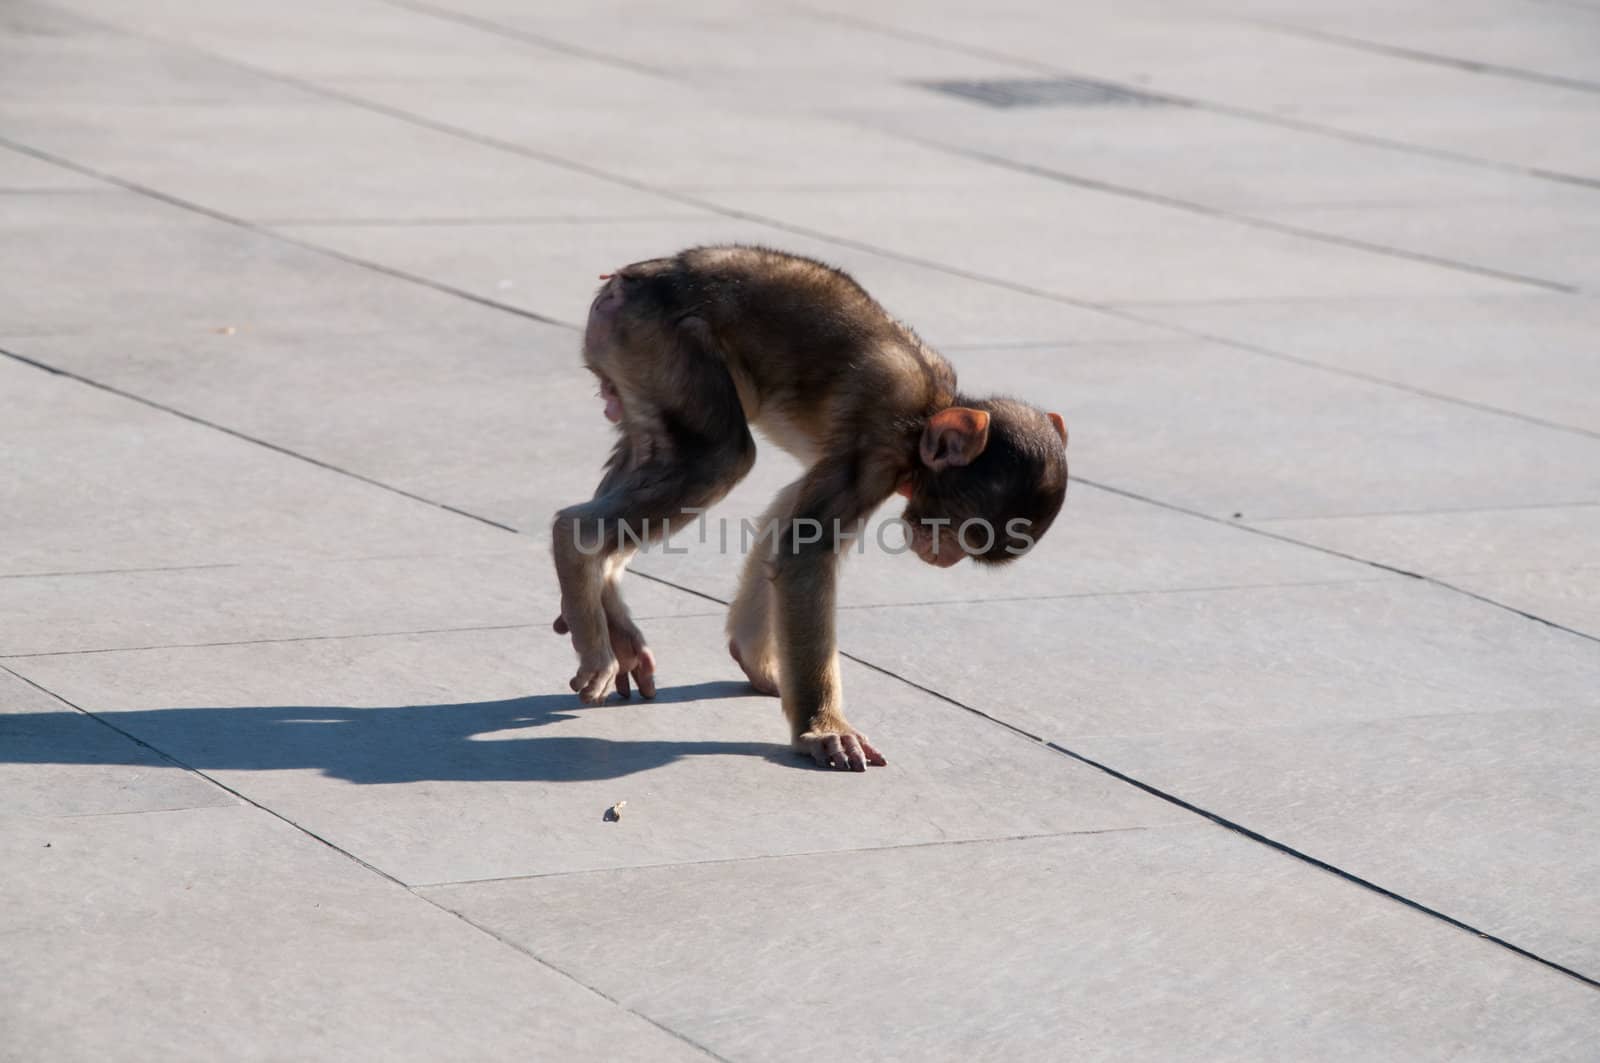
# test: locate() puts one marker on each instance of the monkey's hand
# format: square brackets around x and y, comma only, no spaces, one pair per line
[835,744]
[631,658]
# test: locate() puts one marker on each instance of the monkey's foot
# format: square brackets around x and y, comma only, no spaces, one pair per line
[594,679]
[633,660]
[843,747]
[762,678]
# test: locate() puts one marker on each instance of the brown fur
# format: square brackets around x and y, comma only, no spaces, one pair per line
[702,346]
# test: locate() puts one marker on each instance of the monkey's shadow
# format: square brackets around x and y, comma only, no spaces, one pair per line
[470,741]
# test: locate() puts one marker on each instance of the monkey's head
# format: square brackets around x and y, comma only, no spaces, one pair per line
[991,478]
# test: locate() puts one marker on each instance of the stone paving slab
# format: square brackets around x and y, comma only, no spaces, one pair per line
[40,40]
[1124,250]
[1259,657]
[1470,813]
[1452,543]
[933,950]
[1194,55]
[1230,163]
[1559,43]
[440,409]
[226,933]
[80,262]
[353,164]
[1410,736]
[462,755]
[1557,239]
[1231,431]
[20,174]
[55,761]
[551,269]
[1322,187]
[1530,354]
[1563,596]
[181,494]
[250,602]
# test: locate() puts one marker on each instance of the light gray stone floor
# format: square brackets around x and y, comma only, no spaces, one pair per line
[1282,745]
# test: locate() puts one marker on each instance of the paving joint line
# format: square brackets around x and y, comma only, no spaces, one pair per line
[1246,113]
[341,636]
[1442,511]
[118,571]
[515,33]
[272,234]
[1395,569]
[1247,347]
[245,437]
[937,602]
[1473,66]
[1231,825]
[1249,221]
[346,853]
[535,957]
[191,769]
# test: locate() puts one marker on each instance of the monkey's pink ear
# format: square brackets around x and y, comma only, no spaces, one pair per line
[954,436]
[1061,426]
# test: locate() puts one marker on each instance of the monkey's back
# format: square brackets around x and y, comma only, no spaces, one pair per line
[807,342]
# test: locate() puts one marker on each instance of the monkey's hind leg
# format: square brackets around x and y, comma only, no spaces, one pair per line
[685,444]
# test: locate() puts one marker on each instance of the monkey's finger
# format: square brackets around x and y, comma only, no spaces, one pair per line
[560,626]
[645,674]
[833,752]
[873,756]
[852,753]
[623,690]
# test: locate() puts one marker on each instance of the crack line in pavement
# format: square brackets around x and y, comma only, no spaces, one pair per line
[1232,111]
[1107,308]
[1473,66]
[498,29]
[346,853]
[758,857]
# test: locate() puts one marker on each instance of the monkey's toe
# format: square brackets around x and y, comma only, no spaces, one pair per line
[594,683]
[842,751]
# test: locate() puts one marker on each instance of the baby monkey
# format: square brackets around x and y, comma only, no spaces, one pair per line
[694,350]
